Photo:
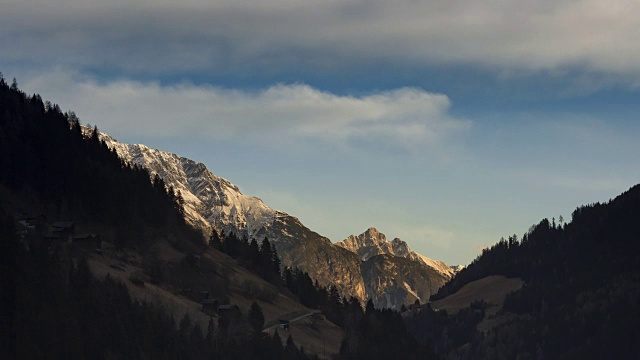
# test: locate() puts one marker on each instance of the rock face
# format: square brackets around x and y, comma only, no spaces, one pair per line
[393,273]
[391,281]
[364,266]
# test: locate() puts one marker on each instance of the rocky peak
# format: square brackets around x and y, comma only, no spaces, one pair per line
[372,243]
[373,233]
[368,244]
[371,237]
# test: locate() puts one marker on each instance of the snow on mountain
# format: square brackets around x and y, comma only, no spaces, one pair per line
[366,266]
[209,199]
[213,202]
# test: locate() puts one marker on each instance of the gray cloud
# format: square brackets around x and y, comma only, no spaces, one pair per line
[195,35]
[404,117]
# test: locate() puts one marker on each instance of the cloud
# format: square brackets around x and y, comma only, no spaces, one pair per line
[214,36]
[404,117]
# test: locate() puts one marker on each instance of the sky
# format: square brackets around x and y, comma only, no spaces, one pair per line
[446,123]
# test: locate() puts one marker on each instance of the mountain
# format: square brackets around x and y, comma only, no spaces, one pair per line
[128,277]
[393,273]
[372,243]
[214,202]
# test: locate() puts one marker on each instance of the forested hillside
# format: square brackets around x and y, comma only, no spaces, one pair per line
[45,158]
[581,293]
[54,307]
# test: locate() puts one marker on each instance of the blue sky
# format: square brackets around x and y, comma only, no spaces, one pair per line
[446,123]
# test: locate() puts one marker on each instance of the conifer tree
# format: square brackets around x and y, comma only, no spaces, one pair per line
[256,317]
[214,240]
[290,349]
[254,252]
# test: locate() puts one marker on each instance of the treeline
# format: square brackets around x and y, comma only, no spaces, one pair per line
[582,286]
[446,332]
[262,259]
[379,334]
[45,159]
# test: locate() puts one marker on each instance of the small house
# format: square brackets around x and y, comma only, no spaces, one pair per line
[38,223]
[283,324]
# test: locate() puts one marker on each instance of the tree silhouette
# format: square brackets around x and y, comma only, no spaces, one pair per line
[256,317]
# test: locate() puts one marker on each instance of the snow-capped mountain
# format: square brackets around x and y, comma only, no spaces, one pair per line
[209,199]
[214,202]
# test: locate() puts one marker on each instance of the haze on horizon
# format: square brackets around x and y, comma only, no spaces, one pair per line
[446,124]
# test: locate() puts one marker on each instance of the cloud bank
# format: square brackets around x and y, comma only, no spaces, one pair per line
[195,35]
[404,117]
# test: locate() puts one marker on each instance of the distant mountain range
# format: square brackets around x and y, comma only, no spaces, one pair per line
[364,266]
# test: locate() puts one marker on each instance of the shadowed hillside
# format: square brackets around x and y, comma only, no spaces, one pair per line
[98,262]
[579,299]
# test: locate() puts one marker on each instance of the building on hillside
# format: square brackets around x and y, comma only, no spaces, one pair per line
[31,229]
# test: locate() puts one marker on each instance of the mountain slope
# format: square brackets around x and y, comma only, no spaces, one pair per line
[55,307]
[145,252]
[579,299]
[392,280]
[209,199]
[212,201]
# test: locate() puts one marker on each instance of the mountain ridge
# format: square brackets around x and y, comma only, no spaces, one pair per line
[214,202]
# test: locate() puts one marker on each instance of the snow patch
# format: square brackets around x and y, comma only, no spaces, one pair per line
[410,290]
